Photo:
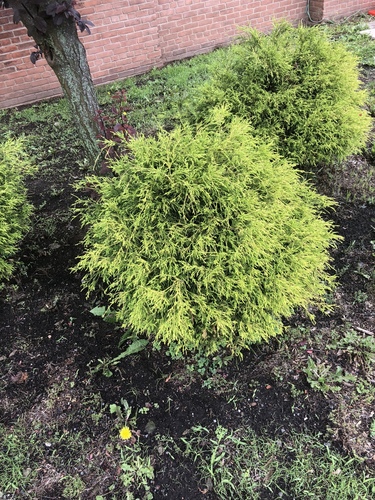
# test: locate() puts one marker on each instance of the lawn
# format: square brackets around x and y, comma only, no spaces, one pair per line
[292,419]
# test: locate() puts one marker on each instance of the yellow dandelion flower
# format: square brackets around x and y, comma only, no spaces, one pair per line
[125,433]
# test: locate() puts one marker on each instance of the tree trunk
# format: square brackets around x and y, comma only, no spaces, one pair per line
[66,56]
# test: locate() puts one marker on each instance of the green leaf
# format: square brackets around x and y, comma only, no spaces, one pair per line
[98,311]
[136,346]
[113,408]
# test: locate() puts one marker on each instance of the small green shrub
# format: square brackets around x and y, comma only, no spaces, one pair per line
[14,208]
[205,237]
[295,87]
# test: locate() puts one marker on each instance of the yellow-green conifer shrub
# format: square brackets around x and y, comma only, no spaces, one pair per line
[206,238]
[295,87]
[14,207]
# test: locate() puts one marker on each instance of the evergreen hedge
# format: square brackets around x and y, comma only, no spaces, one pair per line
[296,88]
[14,208]
[206,238]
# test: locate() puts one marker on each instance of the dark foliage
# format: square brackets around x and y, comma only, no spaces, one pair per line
[41,12]
[115,130]
[36,55]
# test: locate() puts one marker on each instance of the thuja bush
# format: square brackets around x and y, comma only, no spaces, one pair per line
[14,207]
[295,87]
[206,238]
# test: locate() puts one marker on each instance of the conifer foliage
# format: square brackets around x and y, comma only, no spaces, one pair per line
[14,208]
[205,237]
[297,88]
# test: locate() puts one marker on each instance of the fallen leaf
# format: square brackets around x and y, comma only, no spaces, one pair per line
[150,427]
[54,246]
[19,378]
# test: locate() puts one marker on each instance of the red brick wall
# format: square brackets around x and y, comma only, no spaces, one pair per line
[133,36]
[341,8]
[332,9]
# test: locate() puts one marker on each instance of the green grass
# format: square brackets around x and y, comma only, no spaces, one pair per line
[17,459]
[239,464]
[50,135]
[349,34]
[155,98]
[44,450]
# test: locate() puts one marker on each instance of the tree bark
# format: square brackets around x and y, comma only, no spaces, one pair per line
[66,55]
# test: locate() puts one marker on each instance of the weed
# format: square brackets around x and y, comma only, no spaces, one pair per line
[358,347]
[295,392]
[106,365]
[207,365]
[137,471]
[372,429]
[73,486]
[322,377]
[122,411]
[354,180]
[114,127]
[95,402]
[360,297]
